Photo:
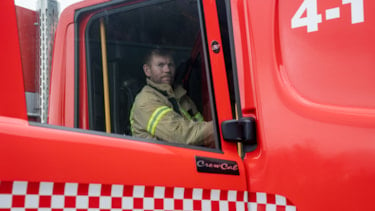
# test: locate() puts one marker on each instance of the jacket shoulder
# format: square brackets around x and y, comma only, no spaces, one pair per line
[148,95]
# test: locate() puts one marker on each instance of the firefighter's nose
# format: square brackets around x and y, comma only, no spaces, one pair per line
[167,69]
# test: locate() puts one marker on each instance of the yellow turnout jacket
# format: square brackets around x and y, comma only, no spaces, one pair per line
[153,116]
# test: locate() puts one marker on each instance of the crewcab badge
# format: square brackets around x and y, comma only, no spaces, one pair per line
[216,166]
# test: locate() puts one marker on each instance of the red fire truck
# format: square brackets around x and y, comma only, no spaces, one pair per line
[288,84]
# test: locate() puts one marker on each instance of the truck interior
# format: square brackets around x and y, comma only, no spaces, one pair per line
[132,31]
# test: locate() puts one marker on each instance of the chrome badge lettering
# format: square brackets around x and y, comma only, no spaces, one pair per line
[216,166]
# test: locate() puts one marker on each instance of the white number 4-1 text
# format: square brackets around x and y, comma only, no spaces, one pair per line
[307,14]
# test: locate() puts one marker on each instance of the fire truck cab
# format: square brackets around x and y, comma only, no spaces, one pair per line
[288,84]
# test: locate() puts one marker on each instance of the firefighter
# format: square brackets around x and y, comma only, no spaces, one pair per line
[164,112]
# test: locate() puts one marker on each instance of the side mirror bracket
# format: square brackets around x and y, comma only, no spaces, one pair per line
[242,130]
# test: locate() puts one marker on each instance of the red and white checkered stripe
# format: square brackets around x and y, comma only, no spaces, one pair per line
[269,202]
[48,196]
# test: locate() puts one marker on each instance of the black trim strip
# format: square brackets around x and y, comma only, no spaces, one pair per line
[233,56]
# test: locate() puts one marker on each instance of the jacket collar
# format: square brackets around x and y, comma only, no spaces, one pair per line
[177,92]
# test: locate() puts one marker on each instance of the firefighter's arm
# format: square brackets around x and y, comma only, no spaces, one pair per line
[174,128]
[161,122]
[189,107]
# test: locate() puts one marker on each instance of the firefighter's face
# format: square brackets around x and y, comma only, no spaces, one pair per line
[161,69]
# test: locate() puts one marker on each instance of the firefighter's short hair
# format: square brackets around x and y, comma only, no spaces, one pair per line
[159,52]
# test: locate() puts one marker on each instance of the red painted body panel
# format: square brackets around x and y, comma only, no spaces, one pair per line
[84,110]
[315,147]
[66,156]
[12,96]
[58,99]
[27,29]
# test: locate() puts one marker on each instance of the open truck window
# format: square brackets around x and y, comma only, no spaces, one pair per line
[130,33]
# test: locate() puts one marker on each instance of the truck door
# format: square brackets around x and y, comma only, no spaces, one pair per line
[306,73]
[76,162]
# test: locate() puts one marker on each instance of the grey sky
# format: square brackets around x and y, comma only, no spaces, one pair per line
[32,4]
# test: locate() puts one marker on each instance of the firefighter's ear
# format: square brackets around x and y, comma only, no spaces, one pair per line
[147,70]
